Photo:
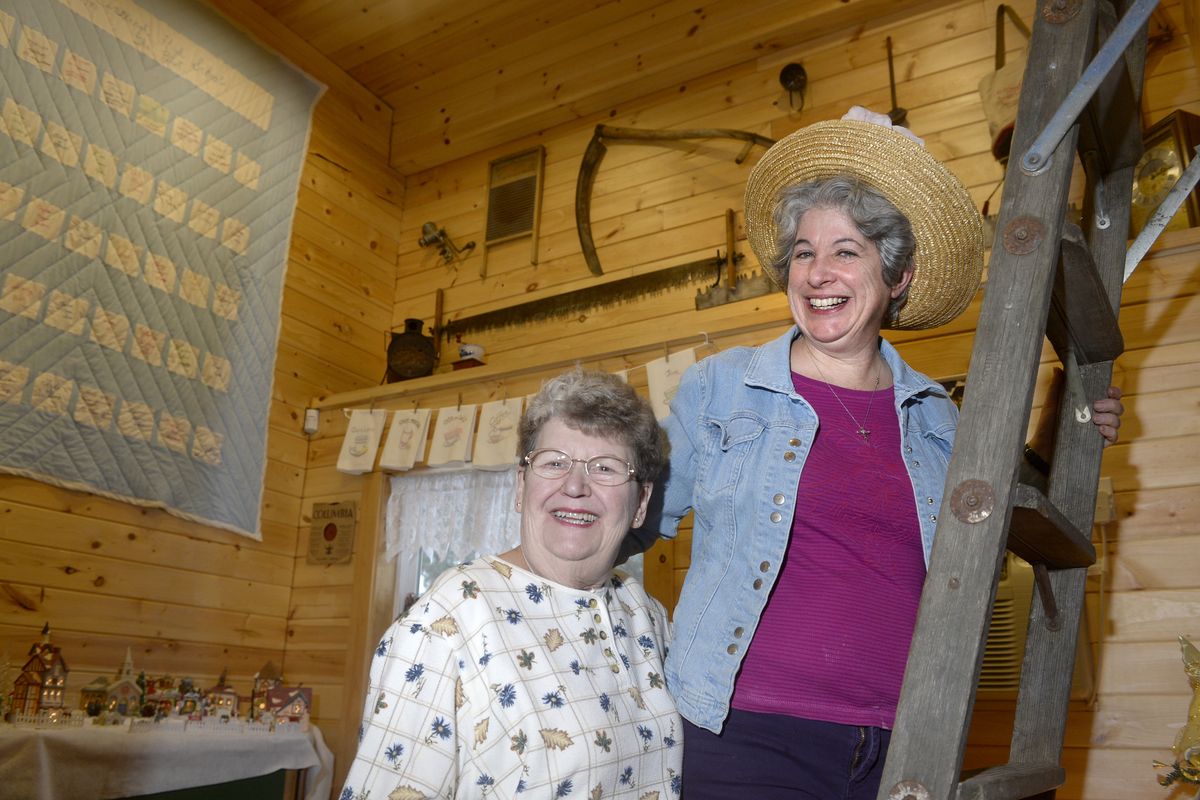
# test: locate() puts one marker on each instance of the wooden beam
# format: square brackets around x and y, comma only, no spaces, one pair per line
[370,612]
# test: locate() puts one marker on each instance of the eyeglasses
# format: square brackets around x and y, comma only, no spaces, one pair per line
[556,465]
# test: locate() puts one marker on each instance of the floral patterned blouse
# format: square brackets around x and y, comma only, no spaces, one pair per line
[499,683]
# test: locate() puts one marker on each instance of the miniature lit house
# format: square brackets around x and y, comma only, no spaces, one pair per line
[95,693]
[43,679]
[265,679]
[163,693]
[221,700]
[289,703]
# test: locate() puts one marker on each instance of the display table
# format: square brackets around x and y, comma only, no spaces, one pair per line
[113,762]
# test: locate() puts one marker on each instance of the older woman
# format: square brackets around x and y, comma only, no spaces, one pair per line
[538,671]
[815,465]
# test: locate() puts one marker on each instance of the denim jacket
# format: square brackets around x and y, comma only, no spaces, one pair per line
[739,436]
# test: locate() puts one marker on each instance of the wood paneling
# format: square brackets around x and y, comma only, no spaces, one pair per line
[467,76]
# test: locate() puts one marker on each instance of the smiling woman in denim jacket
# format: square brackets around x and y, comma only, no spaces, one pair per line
[815,466]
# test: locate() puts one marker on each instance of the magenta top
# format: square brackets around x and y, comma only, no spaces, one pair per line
[833,639]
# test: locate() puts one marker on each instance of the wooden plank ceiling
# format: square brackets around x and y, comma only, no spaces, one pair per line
[464,76]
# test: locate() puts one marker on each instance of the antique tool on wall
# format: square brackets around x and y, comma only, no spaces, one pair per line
[733,289]
[721,271]
[595,154]
[897,115]
[434,236]
[580,301]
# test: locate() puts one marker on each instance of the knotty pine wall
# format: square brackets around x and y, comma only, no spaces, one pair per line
[190,600]
[657,207]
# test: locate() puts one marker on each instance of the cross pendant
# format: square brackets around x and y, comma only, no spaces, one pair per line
[865,434]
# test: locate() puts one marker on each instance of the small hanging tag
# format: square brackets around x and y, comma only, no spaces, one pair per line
[662,378]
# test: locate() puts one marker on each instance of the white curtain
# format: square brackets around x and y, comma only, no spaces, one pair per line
[453,513]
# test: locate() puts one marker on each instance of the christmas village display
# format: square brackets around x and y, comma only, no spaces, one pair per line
[36,695]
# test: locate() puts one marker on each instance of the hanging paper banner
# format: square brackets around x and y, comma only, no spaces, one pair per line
[496,442]
[361,442]
[662,379]
[405,444]
[452,436]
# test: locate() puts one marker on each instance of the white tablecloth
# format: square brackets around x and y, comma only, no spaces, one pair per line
[111,762]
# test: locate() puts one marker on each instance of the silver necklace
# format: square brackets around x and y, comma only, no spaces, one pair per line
[862,429]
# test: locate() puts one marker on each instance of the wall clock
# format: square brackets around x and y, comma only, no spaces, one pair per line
[1168,146]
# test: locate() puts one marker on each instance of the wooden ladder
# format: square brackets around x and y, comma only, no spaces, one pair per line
[1046,278]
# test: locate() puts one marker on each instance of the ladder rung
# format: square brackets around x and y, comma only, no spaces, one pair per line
[1012,781]
[1041,534]
[1081,319]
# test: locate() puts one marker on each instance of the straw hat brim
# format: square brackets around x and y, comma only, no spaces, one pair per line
[949,232]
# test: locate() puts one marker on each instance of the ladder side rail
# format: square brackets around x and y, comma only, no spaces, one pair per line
[943,666]
[1040,724]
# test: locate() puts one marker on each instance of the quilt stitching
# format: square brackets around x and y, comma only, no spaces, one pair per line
[149,162]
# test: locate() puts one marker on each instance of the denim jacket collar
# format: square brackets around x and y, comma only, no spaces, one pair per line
[770,368]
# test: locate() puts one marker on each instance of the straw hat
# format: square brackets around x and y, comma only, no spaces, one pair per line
[949,233]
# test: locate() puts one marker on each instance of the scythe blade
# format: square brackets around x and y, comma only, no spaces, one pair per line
[594,154]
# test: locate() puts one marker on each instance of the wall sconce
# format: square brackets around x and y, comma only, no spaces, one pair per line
[432,235]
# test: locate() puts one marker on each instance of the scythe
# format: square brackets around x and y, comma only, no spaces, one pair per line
[595,154]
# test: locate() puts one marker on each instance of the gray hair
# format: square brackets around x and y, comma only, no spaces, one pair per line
[873,214]
[598,404]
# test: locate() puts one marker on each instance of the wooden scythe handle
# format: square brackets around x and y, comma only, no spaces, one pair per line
[595,154]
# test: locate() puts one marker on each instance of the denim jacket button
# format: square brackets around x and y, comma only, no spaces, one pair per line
[731,649]
[738,631]
[789,456]
[776,516]
[764,566]
[794,442]
[929,500]
[758,583]
[778,499]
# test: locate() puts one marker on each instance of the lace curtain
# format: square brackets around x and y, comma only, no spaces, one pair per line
[453,513]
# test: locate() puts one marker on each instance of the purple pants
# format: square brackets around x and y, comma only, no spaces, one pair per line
[777,757]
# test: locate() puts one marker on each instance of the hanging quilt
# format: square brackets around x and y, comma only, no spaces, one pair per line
[150,155]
